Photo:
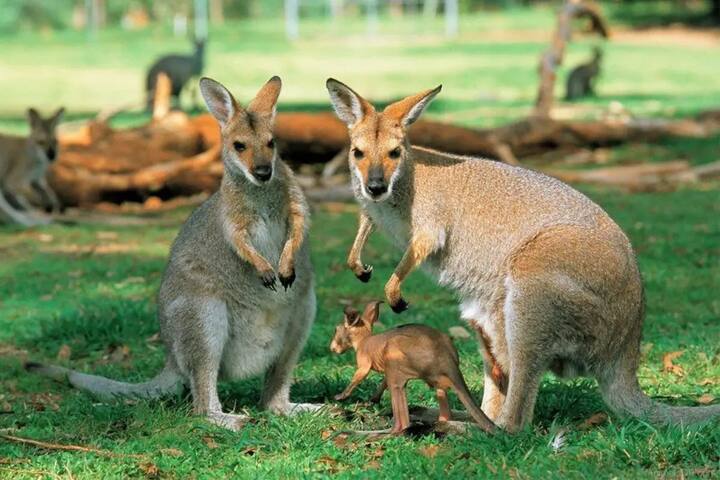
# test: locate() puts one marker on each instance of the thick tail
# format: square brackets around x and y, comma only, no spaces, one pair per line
[166,382]
[464,395]
[621,391]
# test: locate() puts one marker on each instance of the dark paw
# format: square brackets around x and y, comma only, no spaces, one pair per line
[268,280]
[287,282]
[400,306]
[365,275]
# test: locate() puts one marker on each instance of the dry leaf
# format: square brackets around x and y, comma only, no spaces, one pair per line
[149,469]
[378,453]
[172,452]
[64,353]
[249,451]
[106,235]
[705,399]
[429,451]
[45,238]
[372,465]
[593,421]
[6,407]
[154,338]
[340,440]
[330,463]
[459,332]
[708,381]
[118,353]
[669,366]
[210,442]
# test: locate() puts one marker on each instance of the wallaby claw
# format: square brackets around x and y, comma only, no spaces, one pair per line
[287,282]
[400,306]
[268,280]
[365,274]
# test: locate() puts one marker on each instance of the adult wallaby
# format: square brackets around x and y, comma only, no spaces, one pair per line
[219,307]
[543,273]
[581,78]
[24,162]
[179,68]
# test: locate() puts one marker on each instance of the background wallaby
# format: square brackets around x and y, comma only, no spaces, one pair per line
[581,78]
[219,305]
[543,273]
[404,353]
[24,162]
[179,68]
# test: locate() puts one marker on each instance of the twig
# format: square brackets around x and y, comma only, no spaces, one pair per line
[68,448]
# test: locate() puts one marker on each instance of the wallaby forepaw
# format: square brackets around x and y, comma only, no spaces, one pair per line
[364,274]
[340,397]
[287,281]
[399,306]
[268,280]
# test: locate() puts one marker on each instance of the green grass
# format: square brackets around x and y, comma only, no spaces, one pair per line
[92,288]
[489,72]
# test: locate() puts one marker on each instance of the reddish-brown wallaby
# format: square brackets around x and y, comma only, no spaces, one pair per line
[404,353]
[544,275]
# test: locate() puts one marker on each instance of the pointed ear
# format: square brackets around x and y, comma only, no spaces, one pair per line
[33,117]
[409,109]
[352,316]
[371,313]
[350,107]
[266,99]
[219,100]
[55,119]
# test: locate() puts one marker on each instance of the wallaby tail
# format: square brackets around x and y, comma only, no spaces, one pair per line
[166,382]
[621,391]
[467,400]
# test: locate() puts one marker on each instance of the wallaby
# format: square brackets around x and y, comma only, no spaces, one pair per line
[24,162]
[404,353]
[543,273]
[581,78]
[179,68]
[219,307]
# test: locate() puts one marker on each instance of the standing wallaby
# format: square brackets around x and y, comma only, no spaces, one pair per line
[545,276]
[219,307]
[581,78]
[404,353]
[179,68]
[24,162]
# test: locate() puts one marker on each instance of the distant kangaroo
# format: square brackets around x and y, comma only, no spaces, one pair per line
[220,310]
[24,163]
[548,280]
[581,78]
[179,68]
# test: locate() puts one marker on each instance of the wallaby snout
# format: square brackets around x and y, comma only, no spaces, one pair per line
[262,171]
[376,185]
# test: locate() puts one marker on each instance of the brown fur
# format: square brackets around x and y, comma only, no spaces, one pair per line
[404,353]
[543,272]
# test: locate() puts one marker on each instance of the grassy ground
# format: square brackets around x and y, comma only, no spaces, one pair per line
[91,288]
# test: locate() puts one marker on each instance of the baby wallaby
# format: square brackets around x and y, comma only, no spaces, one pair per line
[220,310]
[404,353]
[24,162]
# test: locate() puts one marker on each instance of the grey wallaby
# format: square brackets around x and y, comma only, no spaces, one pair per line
[24,162]
[219,306]
[179,69]
[545,276]
[580,81]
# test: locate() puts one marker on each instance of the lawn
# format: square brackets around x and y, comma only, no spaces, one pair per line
[84,295]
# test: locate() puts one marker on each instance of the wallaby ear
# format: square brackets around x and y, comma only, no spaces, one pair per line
[409,109]
[352,316]
[33,117]
[55,119]
[350,107]
[219,100]
[267,97]
[371,313]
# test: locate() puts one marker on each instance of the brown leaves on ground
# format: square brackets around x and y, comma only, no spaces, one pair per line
[669,366]
[64,353]
[149,469]
[705,399]
[210,442]
[593,420]
[172,452]
[429,451]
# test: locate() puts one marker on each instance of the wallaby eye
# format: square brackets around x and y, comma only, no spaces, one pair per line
[395,152]
[271,143]
[357,153]
[239,146]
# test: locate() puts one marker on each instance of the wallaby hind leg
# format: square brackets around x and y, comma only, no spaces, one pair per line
[199,355]
[495,383]
[445,412]
[276,390]
[10,215]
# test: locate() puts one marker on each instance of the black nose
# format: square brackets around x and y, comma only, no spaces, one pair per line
[376,187]
[51,154]
[262,172]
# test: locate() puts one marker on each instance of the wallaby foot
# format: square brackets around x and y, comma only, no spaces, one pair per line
[445,412]
[231,421]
